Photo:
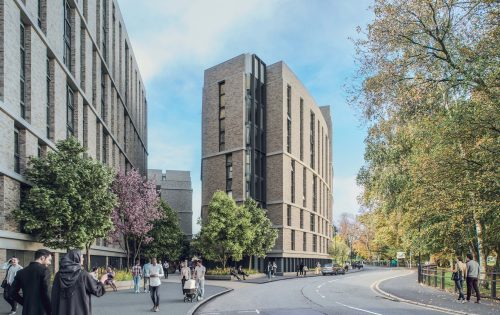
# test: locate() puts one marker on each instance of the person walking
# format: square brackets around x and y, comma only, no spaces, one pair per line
[73,287]
[459,270]
[155,273]
[136,275]
[318,267]
[185,274]
[12,268]
[275,268]
[199,275]
[166,265]
[269,270]
[145,273]
[34,282]
[301,268]
[472,274]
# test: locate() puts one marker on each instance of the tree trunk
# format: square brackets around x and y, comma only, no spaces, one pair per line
[127,249]
[480,250]
[87,258]
[249,262]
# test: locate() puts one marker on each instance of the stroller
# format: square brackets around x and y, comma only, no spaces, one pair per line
[190,291]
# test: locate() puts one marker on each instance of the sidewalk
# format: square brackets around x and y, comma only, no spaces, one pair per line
[407,288]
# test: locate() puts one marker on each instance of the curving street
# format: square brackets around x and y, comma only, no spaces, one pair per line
[344,294]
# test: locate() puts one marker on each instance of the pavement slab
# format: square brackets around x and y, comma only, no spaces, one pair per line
[408,288]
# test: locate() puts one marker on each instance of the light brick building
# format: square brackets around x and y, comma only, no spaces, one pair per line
[264,137]
[176,190]
[66,68]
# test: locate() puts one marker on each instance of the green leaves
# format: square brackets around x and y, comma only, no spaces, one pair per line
[231,230]
[70,202]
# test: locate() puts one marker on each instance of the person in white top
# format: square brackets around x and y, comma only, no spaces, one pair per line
[166,265]
[12,268]
[155,274]
[199,275]
[185,274]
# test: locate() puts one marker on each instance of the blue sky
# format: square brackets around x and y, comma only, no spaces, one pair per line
[175,41]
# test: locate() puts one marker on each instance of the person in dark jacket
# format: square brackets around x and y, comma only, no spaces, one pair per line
[73,287]
[34,281]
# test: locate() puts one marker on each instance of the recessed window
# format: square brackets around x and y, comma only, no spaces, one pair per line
[289,215]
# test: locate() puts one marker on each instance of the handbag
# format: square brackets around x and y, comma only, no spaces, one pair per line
[4,282]
[455,276]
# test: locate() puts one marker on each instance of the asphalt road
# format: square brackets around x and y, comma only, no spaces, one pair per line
[343,294]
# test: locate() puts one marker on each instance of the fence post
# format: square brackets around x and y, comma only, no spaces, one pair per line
[442,278]
[435,277]
[419,273]
[493,283]
[428,275]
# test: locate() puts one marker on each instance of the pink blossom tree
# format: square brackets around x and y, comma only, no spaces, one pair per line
[137,209]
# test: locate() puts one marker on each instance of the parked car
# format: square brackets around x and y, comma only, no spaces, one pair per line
[357,264]
[332,269]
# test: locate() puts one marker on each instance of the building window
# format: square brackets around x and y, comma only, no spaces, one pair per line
[70,119]
[289,215]
[48,79]
[313,156]
[229,174]
[315,192]
[126,72]
[293,240]
[222,116]
[312,223]
[125,118]
[301,218]
[39,13]
[104,29]
[17,153]
[304,186]
[289,119]
[304,242]
[301,129]
[103,95]
[292,176]
[105,147]
[67,35]
[319,153]
[315,241]
[22,77]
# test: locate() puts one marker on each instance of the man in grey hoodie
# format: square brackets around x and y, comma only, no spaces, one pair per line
[472,276]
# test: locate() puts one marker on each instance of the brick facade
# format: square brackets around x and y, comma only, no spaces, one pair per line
[281,86]
[115,134]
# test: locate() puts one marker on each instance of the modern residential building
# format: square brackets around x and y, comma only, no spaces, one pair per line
[66,69]
[176,190]
[264,137]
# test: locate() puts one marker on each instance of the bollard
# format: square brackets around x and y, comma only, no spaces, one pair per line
[442,279]
[493,283]
[435,277]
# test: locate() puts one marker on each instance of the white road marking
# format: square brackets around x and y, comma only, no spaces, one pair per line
[358,309]
[256,311]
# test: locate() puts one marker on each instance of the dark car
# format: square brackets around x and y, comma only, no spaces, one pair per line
[338,269]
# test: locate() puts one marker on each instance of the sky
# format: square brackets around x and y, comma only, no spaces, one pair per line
[175,41]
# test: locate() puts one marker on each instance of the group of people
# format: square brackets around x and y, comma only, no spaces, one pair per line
[72,287]
[198,274]
[301,269]
[271,269]
[237,272]
[469,272]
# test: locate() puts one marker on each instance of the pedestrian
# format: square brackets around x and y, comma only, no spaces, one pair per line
[459,269]
[12,268]
[275,268]
[297,268]
[155,273]
[34,281]
[242,272]
[185,274]
[136,275]
[95,273]
[472,274]
[73,286]
[305,270]
[301,268]
[110,280]
[145,273]
[269,270]
[318,267]
[199,275]
[166,265]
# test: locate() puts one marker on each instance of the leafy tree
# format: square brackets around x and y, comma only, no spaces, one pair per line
[135,212]
[227,231]
[168,237]
[338,249]
[70,202]
[264,236]
[429,92]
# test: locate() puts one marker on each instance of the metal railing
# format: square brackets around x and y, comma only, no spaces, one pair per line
[434,276]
